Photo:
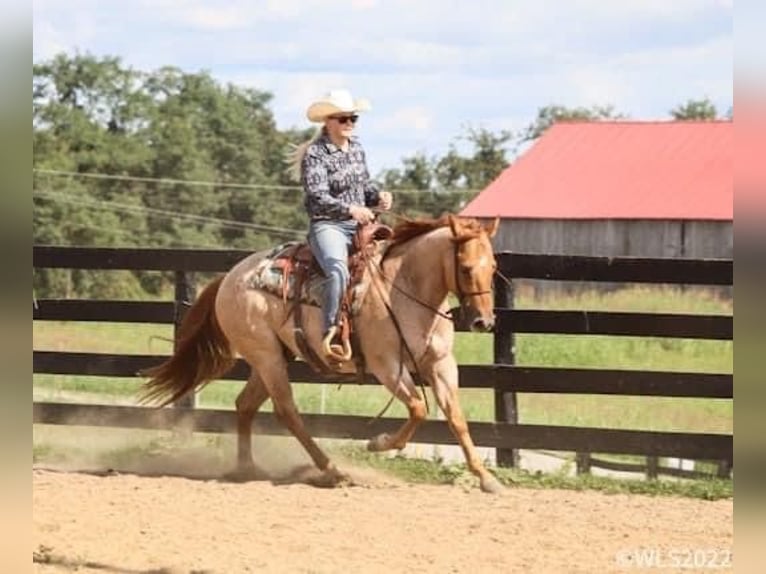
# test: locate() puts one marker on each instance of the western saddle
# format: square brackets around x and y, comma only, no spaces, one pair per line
[297,266]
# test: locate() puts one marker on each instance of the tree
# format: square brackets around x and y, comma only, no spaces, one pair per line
[488,159]
[94,116]
[550,114]
[702,109]
[416,173]
[431,186]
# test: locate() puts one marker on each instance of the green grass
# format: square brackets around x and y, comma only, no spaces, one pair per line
[644,353]
[620,412]
[125,450]
[424,471]
[646,299]
[639,413]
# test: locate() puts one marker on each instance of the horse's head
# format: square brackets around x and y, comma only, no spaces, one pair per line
[474,268]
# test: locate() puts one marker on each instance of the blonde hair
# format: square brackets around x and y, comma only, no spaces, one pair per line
[295,154]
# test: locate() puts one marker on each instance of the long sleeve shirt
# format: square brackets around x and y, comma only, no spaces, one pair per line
[334,180]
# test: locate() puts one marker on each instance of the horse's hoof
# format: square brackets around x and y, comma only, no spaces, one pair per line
[491,485]
[379,443]
[242,474]
[331,477]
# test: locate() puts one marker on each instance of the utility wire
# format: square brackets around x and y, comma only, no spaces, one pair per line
[164,180]
[63,173]
[130,233]
[124,207]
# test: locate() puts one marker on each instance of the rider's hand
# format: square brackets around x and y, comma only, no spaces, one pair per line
[362,214]
[385,199]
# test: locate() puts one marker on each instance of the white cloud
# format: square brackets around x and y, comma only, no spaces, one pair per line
[661,79]
[416,118]
[363,4]
[628,11]
[595,85]
[218,18]
[430,67]
[50,38]
[224,15]
[48,42]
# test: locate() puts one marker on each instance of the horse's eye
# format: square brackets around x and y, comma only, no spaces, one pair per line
[465,270]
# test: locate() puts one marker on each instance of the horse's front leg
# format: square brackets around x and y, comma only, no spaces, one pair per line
[403,388]
[444,382]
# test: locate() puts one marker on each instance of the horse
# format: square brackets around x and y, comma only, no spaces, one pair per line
[405,307]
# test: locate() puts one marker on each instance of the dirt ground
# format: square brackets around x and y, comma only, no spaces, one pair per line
[147,522]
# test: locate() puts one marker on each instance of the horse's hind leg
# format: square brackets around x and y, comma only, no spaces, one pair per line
[249,400]
[272,370]
[403,388]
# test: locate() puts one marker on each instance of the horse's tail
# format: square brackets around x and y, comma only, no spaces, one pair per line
[202,353]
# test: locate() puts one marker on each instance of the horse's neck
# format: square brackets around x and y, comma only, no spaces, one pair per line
[419,269]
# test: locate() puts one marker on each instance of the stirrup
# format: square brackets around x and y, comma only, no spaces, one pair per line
[334,351]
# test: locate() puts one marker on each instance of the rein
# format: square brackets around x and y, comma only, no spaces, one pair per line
[411,297]
[404,346]
[461,295]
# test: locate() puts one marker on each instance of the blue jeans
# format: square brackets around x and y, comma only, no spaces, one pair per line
[330,242]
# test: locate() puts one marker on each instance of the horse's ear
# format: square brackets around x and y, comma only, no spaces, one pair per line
[454,225]
[491,227]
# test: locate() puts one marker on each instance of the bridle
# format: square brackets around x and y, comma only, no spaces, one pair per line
[461,294]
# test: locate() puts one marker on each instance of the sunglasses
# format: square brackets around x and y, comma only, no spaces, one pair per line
[345,119]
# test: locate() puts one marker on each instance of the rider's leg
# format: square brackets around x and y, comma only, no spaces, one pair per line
[330,242]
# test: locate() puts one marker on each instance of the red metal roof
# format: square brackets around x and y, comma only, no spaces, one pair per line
[618,170]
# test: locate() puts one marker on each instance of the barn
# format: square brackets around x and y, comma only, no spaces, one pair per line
[618,188]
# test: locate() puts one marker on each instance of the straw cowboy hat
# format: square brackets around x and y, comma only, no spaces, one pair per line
[336,102]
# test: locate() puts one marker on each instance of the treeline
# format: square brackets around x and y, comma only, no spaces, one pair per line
[167,158]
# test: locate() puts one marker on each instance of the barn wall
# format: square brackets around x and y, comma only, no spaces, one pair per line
[637,238]
[709,239]
[644,238]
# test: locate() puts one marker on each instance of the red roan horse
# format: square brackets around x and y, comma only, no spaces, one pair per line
[425,261]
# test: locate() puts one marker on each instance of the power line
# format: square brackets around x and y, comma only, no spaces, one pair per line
[115,206]
[124,207]
[164,180]
[254,186]
[127,232]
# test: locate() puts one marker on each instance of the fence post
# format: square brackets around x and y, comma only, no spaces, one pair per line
[724,469]
[184,297]
[506,410]
[583,462]
[652,466]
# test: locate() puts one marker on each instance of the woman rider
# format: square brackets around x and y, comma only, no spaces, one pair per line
[338,196]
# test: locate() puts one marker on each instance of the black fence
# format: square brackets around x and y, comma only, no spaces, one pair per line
[506,378]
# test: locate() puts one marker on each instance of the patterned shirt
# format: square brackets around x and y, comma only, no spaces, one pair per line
[334,180]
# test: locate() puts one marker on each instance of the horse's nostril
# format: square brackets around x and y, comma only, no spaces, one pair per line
[483,325]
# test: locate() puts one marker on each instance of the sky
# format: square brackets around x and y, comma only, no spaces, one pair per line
[431,68]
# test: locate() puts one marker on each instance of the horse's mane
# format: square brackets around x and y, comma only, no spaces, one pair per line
[411,228]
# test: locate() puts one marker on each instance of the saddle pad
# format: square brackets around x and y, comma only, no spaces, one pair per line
[270,276]
[276,268]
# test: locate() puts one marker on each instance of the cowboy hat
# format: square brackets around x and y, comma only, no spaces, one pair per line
[335,102]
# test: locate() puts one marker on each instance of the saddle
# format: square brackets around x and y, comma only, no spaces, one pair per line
[291,272]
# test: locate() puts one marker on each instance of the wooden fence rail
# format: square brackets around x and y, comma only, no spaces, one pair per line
[505,378]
